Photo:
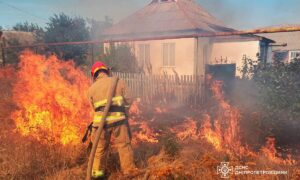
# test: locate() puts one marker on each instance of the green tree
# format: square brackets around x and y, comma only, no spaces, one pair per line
[278,87]
[120,58]
[27,27]
[63,28]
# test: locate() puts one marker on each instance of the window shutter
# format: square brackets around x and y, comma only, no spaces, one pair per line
[165,54]
[147,54]
[141,54]
[172,54]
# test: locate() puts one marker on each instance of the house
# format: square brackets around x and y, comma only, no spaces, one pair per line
[179,36]
[13,38]
[19,37]
[287,39]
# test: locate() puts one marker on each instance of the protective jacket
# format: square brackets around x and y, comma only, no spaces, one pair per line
[116,122]
[97,95]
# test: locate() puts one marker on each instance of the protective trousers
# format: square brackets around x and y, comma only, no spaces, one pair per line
[122,139]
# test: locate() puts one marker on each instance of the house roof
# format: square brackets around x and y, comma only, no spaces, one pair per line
[276,28]
[171,17]
[23,38]
[242,38]
[288,34]
[291,39]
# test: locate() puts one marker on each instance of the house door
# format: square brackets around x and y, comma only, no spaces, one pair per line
[223,72]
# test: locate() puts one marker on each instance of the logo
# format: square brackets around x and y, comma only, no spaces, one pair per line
[224,169]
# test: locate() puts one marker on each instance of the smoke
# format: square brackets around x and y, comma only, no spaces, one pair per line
[246,14]
[249,14]
[98,9]
[223,11]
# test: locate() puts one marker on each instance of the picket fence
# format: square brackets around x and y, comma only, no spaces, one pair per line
[183,89]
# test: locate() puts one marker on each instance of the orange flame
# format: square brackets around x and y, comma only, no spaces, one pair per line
[144,133]
[271,153]
[187,130]
[51,97]
[223,131]
[212,136]
[225,136]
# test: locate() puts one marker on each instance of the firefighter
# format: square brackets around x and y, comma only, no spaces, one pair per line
[116,120]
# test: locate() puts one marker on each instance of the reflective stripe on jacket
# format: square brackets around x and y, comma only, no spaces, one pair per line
[116,101]
[112,117]
[97,95]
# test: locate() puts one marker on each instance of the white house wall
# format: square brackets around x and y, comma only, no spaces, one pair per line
[184,55]
[203,49]
[234,52]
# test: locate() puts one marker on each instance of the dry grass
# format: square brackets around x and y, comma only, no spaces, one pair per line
[25,158]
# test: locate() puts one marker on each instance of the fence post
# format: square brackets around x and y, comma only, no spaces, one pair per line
[3,56]
[2,46]
[183,89]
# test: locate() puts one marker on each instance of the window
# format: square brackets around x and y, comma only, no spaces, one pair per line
[168,54]
[144,54]
[294,55]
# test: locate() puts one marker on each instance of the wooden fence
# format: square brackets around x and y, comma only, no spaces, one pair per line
[184,89]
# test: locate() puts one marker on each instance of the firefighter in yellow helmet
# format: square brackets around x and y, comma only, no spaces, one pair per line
[116,120]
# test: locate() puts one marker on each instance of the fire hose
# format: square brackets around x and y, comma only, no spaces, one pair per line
[100,127]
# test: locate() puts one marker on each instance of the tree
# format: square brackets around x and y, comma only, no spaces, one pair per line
[120,58]
[27,27]
[278,87]
[63,28]
[96,27]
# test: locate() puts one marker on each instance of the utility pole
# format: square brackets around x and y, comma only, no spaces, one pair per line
[3,56]
[2,49]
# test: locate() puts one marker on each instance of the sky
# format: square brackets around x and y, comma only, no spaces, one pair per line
[238,14]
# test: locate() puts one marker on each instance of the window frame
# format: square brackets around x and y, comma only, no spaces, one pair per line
[170,55]
[291,53]
[146,50]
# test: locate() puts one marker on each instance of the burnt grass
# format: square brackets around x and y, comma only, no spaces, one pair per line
[26,158]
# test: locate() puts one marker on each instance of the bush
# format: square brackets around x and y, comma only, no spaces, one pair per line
[278,98]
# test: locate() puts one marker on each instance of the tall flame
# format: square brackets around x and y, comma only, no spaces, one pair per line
[214,137]
[223,131]
[51,96]
[271,153]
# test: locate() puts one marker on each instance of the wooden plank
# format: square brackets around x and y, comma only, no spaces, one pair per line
[183,89]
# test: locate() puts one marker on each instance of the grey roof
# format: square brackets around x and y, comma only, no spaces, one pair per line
[292,39]
[174,17]
[290,35]
[24,38]
[241,38]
